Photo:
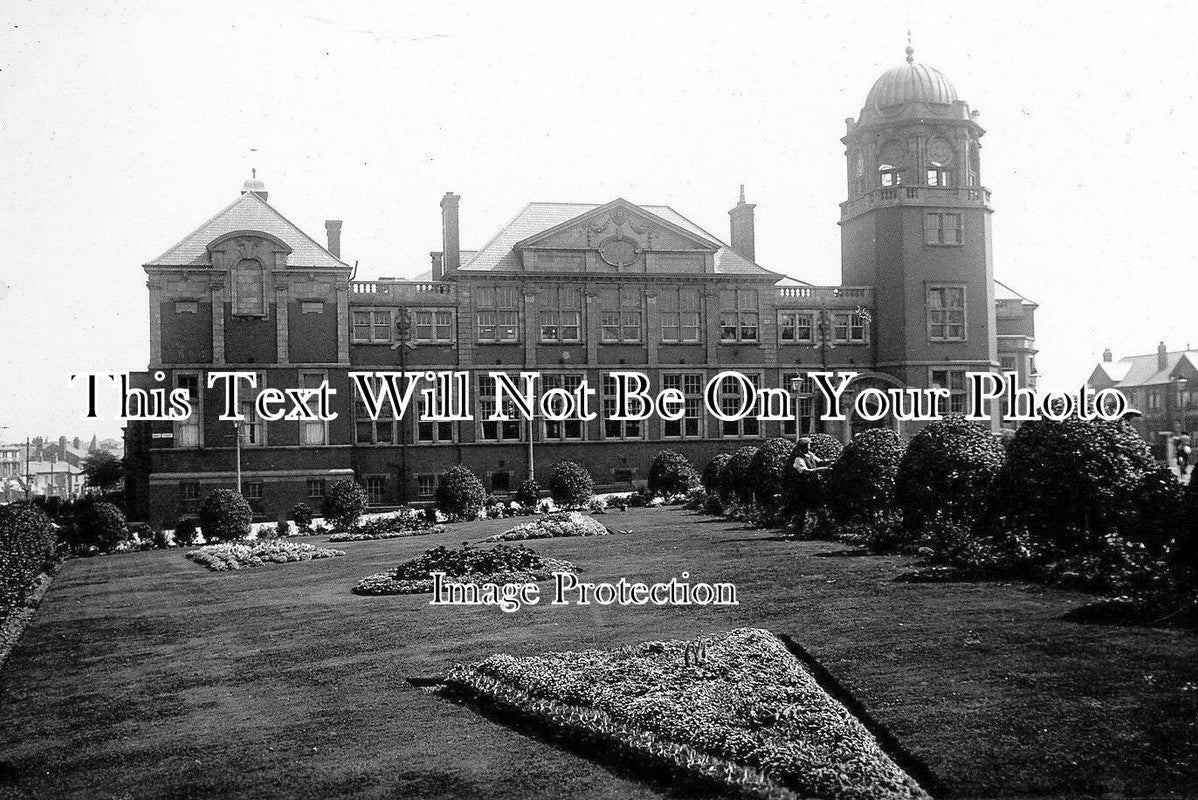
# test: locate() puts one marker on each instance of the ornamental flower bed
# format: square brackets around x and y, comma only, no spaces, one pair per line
[241,555]
[466,564]
[571,523]
[410,524]
[735,709]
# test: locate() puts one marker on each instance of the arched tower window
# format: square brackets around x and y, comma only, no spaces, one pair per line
[892,164]
[941,159]
[249,288]
[890,175]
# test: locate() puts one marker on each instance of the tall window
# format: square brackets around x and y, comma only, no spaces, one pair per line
[731,400]
[804,419]
[946,313]
[316,488]
[253,427]
[796,327]
[372,327]
[620,314]
[495,431]
[249,288]
[566,429]
[433,325]
[369,431]
[561,314]
[679,315]
[432,431]
[941,228]
[498,313]
[252,491]
[313,432]
[613,428]
[738,315]
[848,327]
[954,381]
[691,425]
[187,431]
[376,486]
[426,485]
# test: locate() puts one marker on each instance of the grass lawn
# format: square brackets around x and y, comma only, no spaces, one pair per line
[145,675]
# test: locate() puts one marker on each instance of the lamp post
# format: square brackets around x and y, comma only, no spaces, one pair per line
[237,447]
[1180,384]
[403,343]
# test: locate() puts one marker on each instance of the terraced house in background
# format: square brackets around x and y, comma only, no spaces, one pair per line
[574,290]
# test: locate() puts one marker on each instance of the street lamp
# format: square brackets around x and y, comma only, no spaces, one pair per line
[237,446]
[403,343]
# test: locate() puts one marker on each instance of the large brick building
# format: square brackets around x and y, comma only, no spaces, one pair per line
[574,290]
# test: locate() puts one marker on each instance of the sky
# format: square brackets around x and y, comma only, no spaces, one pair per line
[124,126]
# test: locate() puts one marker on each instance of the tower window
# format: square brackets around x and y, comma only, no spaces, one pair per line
[941,228]
[890,175]
[946,313]
[939,176]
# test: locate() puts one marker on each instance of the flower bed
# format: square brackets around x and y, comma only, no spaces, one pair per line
[571,523]
[499,565]
[238,555]
[410,524]
[736,709]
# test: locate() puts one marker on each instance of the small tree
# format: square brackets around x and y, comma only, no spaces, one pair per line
[570,485]
[671,473]
[946,472]
[769,470]
[860,484]
[100,525]
[528,493]
[302,514]
[27,544]
[712,472]
[344,503]
[225,516]
[734,476]
[460,493]
[103,470]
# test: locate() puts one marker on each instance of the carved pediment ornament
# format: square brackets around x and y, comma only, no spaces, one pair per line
[617,219]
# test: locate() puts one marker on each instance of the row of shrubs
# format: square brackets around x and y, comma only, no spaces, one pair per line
[1076,502]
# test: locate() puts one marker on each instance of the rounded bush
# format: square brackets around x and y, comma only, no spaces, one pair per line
[100,525]
[570,485]
[224,516]
[528,493]
[770,469]
[735,482]
[27,544]
[186,529]
[1159,505]
[460,494]
[302,514]
[1184,554]
[712,472]
[1068,482]
[860,484]
[344,503]
[946,472]
[672,473]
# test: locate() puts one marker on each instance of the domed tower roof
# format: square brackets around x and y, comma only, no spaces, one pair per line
[253,184]
[907,84]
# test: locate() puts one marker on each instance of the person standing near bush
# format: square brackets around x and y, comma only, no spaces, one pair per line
[808,490]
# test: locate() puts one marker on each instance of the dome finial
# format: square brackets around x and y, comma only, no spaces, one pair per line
[910,49]
[742,194]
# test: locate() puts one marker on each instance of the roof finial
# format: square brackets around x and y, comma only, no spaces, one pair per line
[253,172]
[742,194]
[910,49]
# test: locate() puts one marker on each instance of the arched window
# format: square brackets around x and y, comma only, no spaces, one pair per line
[890,175]
[939,175]
[249,288]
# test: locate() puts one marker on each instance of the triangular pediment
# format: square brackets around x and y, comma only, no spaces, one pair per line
[620,220]
[245,217]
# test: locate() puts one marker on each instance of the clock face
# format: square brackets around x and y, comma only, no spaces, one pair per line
[941,152]
[860,164]
[618,251]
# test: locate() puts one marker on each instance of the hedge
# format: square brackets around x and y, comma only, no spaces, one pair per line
[770,471]
[734,476]
[27,544]
[860,484]
[946,472]
[672,473]
[712,472]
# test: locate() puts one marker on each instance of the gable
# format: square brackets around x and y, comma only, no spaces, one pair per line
[249,217]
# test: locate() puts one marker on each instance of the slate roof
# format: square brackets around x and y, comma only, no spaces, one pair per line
[249,212]
[534,218]
[1145,370]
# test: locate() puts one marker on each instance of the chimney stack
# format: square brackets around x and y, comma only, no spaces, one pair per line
[1162,356]
[438,271]
[451,257]
[332,227]
[743,238]
[1107,356]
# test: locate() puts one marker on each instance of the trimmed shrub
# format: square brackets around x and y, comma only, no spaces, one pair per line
[946,472]
[860,484]
[1069,483]
[769,471]
[735,481]
[302,514]
[225,516]
[672,473]
[528,493]
[344,503]
[100,525]
[27,544]
[712,472]
[186,529]
[1159,506]
[460,494]
[570,485]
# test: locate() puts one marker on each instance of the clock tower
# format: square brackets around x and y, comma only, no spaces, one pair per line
[916,227]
